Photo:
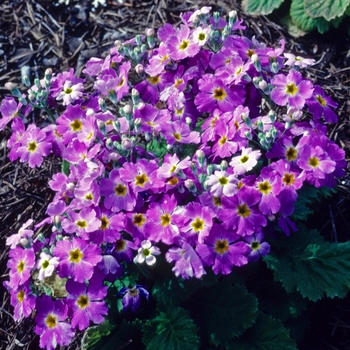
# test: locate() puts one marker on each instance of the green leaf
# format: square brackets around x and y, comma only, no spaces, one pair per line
[65,167]
[329,9]
[307,197]
[267,333]
[315,270]
[172,330]
[302,20]
[292,28]
[158,149]
[224,311]
[93,335]
[260,7]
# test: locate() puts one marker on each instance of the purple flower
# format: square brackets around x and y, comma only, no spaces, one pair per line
[9,110]
[179,132]
[20,264]
[240,212]
[33,146]
[172,166]
[215,94]
[23,232]
[187,262]
[131,297]
[258,248]
[118,194]
[77,258]
[87,303]
[50,323]
[182,45]
[199,221]
[292,89]
[221,250]
[320,104]
[158,61]
[23,301]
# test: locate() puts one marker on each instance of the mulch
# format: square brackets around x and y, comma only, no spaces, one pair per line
[40,35]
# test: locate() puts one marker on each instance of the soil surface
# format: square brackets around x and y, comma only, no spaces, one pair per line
[40,35]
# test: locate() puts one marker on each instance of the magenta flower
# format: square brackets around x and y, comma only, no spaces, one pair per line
[9,110]
[118,193]
[239,212]
[163,220]
[222,251]
[187,261]
[215,94]
[51,323]
[20,264]
[320,104]
[172,166]
[199,221]
[292,89]
[81,222]
[23,301]
[157,63]
[182,45]
[77,258]
[87,303]
[179,132]
[34,146]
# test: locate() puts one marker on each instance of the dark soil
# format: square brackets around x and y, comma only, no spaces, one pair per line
[41,35]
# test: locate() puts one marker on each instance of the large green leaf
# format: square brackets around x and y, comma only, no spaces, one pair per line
[329,9]
[224,311]
[172,330]
[315,270]
[305,22]
[260,7]
[267,333]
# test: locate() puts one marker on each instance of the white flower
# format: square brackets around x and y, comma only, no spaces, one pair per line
[46,265]
[146,253]
[70,92]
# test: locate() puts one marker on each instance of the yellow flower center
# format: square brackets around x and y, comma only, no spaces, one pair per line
[104,223]
[154,80]
[291,89]
[321,100]
[32,146]
[250,53]
[173,181]
[221,246]
[178,82]
[197,225]
[76,125]
[243,210]
[81,223]
[83,301]
[223,140]
[314,162]
[201,36]
[20,296]
[51,321]
[288,179]
[265,187]
[177,136]
[76,255]
[120,245]
[68,91]
[244,159]
[120,190]
[20,266]
[219,94]
[184,44]
[89,197]
[45,264]
[141,180]
[291,154]
[255,245]
[223,181]
[139,220]
[165,219]
[217,201]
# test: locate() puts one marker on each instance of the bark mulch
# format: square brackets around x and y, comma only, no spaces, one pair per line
[40,35]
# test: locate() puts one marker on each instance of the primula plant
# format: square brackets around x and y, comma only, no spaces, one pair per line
[193,156]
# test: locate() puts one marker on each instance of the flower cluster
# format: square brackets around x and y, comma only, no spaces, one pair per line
[192,147]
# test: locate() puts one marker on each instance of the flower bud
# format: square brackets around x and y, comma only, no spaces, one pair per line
[189,184]
[223,165]
[126,143]
[13,88]
[102,104]
[262,85]
[256,62]
[139,68]
[24,242]
[25,74]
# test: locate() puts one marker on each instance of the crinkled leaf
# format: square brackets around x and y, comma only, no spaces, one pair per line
[158,149]
[307,197]
[266,333]
[329,9]
[173,329]
[292,28]
[303,21]
[224,311]
[260,7]
[315,270]
[94,334]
